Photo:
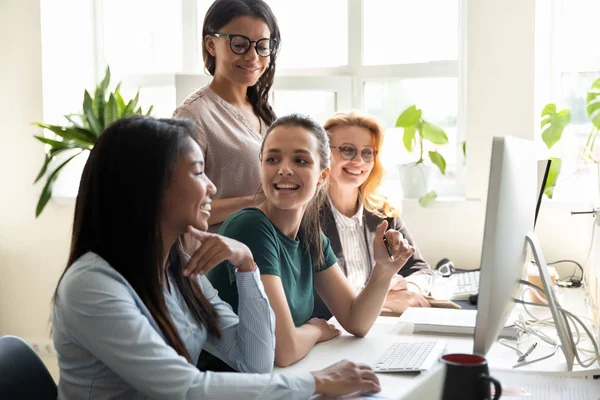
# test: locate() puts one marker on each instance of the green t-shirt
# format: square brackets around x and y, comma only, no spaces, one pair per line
[274,254]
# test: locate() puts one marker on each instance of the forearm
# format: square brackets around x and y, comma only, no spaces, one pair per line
[223,208]
[367,305]
[296,344]
[247,340]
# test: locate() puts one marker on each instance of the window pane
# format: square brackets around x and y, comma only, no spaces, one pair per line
[320,105]
[312,38]
[437,98]
[64,82]
[142,36]
[577,30]
[408,31]
[161,98]
[301,45]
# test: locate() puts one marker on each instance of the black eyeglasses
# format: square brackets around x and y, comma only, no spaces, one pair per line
[348,152]
[240,44]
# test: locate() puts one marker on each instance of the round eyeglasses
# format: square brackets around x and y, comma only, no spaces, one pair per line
[240,44]
[348,152]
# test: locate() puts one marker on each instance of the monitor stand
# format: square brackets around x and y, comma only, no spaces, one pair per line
[560,320]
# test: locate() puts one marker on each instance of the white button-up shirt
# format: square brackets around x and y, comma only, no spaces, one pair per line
[354,245]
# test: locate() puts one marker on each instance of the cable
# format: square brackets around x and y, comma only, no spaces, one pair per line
[573,323]
[570,281]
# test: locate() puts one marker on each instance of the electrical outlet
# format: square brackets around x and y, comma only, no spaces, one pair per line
[43,347]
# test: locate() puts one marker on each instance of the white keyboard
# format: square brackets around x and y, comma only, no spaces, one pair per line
[465,285]
[410,357]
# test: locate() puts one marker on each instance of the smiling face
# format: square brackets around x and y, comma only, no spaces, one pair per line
[187,199]
[350,172]
[291,167]
[241,69]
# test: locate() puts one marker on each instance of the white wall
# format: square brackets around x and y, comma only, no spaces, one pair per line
[32,252]
[500,101]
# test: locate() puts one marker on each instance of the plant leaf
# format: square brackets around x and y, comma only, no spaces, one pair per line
[553,124]
[433,134]
[438,160]
[106,80]
[593,103]
[55,143]
[427,199]
[47,160]
[100,98]
[110,114]
[89,114]
[149,112]
[464,148]
[120,102]
[82,136]
[72,120]
[47,190]
[409,117]
[129,110]
[555,167]
[409,137]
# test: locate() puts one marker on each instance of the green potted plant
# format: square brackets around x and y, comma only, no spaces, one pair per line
[591,152]
[553,125]
[415,176]
[99,110]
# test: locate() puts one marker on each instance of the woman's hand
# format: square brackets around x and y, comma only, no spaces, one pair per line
[398,301]
[399,247]
[328,331]
[398,283]
[346,377]
[215,249]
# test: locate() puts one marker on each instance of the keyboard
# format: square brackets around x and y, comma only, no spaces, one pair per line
[410,357]
[465,285]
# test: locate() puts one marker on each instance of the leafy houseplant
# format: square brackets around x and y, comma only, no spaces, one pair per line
[592,103]
[99,110]
[417,131]
[553,125]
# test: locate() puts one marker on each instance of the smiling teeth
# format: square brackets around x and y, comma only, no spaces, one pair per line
[205,207]
[286,186]
[353,171]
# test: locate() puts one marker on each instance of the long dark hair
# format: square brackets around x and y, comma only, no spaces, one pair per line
[118,209]
[220,13]
[310,226]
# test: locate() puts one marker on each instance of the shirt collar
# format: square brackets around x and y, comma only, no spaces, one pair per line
[348,222]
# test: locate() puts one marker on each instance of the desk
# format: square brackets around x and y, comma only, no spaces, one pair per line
[388,330]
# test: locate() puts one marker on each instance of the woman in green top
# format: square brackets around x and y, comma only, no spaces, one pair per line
[293,255]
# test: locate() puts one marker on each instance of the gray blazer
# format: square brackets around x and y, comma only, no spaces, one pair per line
[370,223]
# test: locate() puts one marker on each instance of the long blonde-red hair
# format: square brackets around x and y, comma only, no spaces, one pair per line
[370,191]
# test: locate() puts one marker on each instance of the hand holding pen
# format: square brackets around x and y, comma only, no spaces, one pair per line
[390,248]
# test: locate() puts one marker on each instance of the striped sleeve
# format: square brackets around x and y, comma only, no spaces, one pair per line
[247,342]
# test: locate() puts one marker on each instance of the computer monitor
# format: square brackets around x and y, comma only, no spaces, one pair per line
[510,215]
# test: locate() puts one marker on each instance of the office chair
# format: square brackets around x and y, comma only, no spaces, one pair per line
[23,375]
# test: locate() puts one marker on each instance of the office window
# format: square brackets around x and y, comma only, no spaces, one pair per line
[335,55]
[573,64]
[142,36]
[317,104]
[408,31]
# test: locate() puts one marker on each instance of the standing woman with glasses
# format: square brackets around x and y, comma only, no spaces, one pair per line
[355,207]
[240,39]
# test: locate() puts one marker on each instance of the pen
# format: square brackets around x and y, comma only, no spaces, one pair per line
[387,247]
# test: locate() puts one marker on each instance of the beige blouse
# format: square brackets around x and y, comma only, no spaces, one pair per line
[229,143]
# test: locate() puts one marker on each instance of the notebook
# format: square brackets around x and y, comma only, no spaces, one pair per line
[443,321]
